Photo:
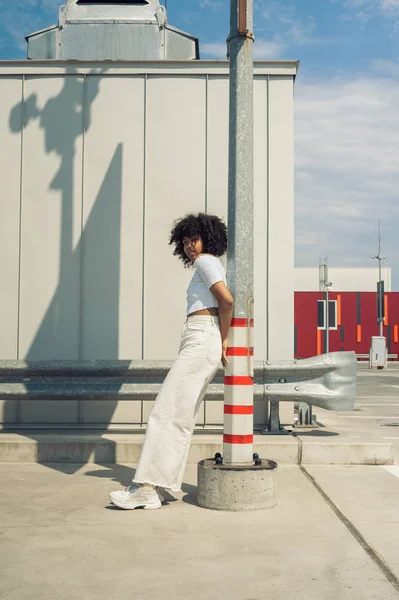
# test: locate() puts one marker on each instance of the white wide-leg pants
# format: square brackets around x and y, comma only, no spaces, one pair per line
[172,419]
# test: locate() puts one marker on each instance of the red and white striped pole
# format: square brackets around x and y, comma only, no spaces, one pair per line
[238,394]
[237,482]
[238,403]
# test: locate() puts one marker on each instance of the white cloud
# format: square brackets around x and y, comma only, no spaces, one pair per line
[213,4]
[302,33]
[363,16]
[310,239]
[214,50]
[367,9]
[269,45]
[389,7]
[22,17]
[275,10]
[263,50]
[284,24]
[268,50]
[347,170]
[388,68]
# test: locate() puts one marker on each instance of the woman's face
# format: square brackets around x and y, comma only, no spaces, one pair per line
[193,247]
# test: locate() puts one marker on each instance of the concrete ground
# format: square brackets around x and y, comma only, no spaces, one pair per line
[334,534]
[377,405]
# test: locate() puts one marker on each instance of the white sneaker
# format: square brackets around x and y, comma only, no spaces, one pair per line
[133,486]
[160,495]
[135,496]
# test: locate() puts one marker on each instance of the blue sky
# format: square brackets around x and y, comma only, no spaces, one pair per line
[346,109]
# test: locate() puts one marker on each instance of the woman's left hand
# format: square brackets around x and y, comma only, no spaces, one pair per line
[225,360]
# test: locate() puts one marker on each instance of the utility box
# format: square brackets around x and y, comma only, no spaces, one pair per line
[108,30]
[378,352]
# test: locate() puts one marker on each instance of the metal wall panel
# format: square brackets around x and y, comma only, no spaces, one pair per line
[175,162]
[217,148]
[113,218]
[38,411]
[175,185]
[51,218]
[281,210]
[217,178]
[261,201]
[110,42]
[218,145]
[10,160]
[106,412]
[148,156]
[8,411]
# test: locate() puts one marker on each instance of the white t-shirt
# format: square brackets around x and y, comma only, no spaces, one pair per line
[208,271]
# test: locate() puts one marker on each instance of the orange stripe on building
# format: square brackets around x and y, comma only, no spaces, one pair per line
[239,351]
[238,380]
[238,439]
[230,409]
[339,318]
[395,334]
[358,333]
[385,309]
[318,342]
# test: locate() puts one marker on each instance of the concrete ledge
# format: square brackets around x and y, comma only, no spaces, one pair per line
[61,450]
[347,453]
[122,448]
[109,448]
[338,443]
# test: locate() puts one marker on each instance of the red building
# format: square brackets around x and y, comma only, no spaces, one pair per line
[353,321]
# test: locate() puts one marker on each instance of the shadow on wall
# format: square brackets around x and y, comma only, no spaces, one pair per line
[85,299]
[82,288]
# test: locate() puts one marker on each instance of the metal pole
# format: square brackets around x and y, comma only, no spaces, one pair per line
[326,285]
[380,258]
[379,275]
[238,409]
[327,310]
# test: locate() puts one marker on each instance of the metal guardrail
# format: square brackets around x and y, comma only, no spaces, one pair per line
[367,356]
[327,381]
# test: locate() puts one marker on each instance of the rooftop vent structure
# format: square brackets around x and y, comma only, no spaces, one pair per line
[112,30]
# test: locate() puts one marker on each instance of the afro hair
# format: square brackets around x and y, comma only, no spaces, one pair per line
[211,230]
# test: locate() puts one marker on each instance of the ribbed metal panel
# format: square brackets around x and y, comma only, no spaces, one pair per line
[101,30]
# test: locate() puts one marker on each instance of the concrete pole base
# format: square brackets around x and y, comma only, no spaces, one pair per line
[236,487]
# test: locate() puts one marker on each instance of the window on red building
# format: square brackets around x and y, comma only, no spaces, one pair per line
[321,314]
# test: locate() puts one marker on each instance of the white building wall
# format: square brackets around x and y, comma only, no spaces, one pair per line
[10,160]
[280,225]
[343,279]
[51,205]
[112,219]
[175,185]
[98,161]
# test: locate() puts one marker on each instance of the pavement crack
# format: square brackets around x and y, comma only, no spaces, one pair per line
[300,447]
[375,557]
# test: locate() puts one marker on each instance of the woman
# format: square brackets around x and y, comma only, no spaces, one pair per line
[199,240]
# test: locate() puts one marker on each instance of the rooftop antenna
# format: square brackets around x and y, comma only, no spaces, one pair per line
[380,286]
[326,284]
